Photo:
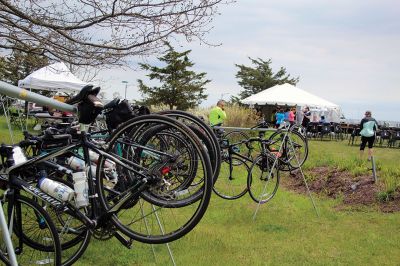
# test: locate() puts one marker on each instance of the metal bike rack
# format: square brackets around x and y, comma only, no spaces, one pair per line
[22,94]
[275,162]
[7,238]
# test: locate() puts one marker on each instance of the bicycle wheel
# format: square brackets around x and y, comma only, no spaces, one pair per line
[162,218]
[73,234]
[35,238]
[205,134]
[182,172]
[291,148]
[233,137]
[231,183]
[263,178]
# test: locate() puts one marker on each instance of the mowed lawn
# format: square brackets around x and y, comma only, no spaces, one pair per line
[286,230]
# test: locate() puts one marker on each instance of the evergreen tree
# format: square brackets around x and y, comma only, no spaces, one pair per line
[261,77]
[179,87]
[20,64]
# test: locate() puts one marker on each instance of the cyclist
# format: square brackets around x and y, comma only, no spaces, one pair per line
[217,114]
[368,126]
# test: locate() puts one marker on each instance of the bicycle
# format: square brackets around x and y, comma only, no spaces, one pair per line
[112,210]
[233,187]
[35,238]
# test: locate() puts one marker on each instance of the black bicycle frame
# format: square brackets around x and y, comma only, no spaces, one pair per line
[134,191]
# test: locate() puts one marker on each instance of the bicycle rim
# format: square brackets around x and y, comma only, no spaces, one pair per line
[263,178]
[231,183]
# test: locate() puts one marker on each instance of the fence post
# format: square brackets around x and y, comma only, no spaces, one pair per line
[374,169]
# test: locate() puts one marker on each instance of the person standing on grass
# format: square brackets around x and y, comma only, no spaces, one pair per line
[292,116]
[368,127]
[280,117]
[306,117]
[217,114]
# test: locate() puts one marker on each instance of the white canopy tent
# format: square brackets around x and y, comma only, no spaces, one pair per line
[54,77]
[290,95]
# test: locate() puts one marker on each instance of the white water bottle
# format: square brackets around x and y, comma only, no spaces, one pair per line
[94,158]
[81,189]
[56,189]
[76,163]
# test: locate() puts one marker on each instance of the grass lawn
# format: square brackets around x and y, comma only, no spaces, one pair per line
[286,230]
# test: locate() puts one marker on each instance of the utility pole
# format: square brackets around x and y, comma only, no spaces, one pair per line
[126,86]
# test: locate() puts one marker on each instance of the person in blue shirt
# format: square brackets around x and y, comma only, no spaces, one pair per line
[368,127]
[287,111]
[280,117]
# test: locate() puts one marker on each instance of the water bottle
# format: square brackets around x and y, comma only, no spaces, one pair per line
[76,163]
[94,158]
[81,189]
[56,189]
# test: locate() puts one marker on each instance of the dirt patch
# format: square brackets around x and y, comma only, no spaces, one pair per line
[356,191]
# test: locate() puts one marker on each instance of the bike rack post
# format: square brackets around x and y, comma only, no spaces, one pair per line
[7,238]
[304,179]
[22,94]
[374,169]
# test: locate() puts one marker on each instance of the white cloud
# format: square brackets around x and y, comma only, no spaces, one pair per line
[344,51]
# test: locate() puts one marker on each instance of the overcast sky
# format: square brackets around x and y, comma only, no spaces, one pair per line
[344,51]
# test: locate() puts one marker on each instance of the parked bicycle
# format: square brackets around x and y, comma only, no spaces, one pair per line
[157,191]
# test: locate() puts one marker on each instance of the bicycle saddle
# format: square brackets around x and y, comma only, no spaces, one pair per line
[83,94]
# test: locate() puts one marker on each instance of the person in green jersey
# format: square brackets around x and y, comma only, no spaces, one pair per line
[217,114]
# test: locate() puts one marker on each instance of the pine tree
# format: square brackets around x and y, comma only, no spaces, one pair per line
[261,77]
[179,87]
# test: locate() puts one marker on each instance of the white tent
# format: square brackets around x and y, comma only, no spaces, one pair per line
[290,95]
[287,94]
[55,77]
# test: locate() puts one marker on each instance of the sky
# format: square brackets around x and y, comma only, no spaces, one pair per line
[347,52]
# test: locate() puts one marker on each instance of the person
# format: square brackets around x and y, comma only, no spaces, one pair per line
[287,111]
[280,117]
[306,117]
[368,127]
[273,116]
[217,114]
[322,120]
[292,116]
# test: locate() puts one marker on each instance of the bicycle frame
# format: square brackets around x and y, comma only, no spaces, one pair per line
[85,144]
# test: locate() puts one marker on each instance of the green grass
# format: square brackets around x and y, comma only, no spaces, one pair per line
[286,230]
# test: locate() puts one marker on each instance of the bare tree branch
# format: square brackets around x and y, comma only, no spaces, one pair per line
[101,32]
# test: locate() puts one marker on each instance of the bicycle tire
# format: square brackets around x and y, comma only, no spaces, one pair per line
[178,180]
[39,222]
[142,221]
[263,178]
[228,186]
[294,151]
